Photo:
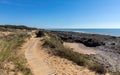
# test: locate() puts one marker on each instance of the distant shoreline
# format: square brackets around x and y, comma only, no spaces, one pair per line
[109,32]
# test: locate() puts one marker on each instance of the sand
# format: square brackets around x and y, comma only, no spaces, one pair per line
[80,48]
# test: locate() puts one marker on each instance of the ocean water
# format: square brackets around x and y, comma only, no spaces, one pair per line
[112,32]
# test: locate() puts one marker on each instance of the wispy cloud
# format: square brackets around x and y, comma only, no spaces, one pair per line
[27,2]
[9,2]
[4,2]
[16,2]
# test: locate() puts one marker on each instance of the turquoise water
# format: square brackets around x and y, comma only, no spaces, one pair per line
[113,32]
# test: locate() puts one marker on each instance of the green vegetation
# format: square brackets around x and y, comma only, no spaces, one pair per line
[4,27]
[12,55]
[115,73]
[57,48]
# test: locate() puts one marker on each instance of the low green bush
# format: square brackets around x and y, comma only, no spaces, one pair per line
[115,73]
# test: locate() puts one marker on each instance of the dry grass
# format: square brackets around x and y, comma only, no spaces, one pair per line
[115,73]
[11,54]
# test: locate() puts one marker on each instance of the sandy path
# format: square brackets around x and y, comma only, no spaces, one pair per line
[80,48]
[38,66]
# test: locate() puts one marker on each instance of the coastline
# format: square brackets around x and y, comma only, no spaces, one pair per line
[91,31]
[106,47]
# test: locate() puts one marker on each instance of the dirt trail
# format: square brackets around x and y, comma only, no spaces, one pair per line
[38,66]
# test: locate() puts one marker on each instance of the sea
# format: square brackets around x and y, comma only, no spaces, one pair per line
[112,32]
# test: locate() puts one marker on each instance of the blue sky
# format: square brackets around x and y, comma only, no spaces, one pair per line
[61,13]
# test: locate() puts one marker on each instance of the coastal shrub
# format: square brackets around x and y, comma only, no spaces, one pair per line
[115,73]
[96,67]
[40,33]
[58,49]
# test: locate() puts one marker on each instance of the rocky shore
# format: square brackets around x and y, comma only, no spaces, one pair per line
[107,47]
